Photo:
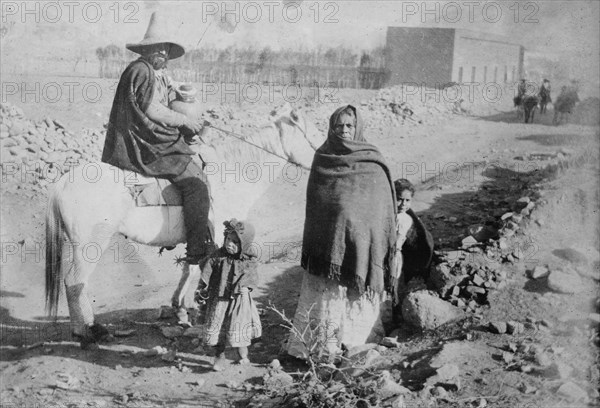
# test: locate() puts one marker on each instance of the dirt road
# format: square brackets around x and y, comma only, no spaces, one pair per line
[466,169]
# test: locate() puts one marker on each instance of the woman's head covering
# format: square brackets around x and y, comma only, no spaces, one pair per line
[337,145]
[245,232]
[358,136]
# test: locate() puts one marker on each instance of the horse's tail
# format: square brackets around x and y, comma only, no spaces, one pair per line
[54,249]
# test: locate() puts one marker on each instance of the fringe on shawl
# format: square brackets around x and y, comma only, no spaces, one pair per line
[333,271]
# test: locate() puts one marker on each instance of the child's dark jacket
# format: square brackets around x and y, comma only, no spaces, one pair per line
[226,274]
[417,250]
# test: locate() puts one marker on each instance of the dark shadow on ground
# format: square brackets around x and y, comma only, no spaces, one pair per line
[571,255]
[32,338]
[553,140]
[282,294]
[537,286]
[511,117]
[6,293]
[479,194]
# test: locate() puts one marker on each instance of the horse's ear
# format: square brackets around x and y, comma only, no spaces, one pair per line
[295,115]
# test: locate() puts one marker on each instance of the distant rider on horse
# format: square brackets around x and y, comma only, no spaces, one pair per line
[522,89]
[544,94]
[145,136]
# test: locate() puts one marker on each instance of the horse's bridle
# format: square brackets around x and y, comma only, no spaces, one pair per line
[315,148]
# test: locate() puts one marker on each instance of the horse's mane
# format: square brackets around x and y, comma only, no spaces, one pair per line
[252,148]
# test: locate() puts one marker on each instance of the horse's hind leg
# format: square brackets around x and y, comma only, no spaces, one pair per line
[76,287]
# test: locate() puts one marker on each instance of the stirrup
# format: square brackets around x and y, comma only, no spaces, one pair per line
[162,249]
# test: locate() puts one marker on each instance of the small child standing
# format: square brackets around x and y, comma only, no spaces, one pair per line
[231,273]
[414,246]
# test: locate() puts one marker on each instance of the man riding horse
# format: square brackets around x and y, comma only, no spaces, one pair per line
[526,100]
[145,136]
[544,94]
[565,102]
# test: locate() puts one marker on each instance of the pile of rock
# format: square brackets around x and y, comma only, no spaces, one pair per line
[465,277]
[35,154]
[465,283]
[402,104]
[497,236]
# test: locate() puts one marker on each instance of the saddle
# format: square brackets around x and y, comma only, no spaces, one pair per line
[150,191]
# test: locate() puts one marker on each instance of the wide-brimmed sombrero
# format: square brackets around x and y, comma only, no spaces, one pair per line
[157,33]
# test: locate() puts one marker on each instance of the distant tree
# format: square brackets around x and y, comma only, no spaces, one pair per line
[348,58]
[113,51]
[101,57]
[100,53]
[224,55]
[331,56]
[365,60]
[265,57]
[248,55]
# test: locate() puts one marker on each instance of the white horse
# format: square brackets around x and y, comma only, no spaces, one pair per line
[92,203]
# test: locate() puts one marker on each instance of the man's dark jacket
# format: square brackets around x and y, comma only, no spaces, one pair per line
[133,141]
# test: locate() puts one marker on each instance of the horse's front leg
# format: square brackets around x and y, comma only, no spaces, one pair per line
[183,297]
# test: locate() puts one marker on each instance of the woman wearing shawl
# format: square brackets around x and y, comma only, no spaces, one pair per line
[349,236]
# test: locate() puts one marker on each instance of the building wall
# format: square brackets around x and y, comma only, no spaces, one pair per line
[419,55]
[482,58]
[437,56]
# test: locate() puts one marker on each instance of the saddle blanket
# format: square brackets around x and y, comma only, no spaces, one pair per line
[150,191]
[157,193]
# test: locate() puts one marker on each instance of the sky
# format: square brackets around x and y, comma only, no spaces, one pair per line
[553,28]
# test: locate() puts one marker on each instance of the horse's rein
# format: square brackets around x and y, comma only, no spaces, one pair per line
[315,148]
[241,138]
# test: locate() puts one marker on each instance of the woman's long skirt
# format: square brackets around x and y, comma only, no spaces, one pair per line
[334,318]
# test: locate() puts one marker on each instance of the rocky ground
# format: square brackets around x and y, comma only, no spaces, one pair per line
[509,318]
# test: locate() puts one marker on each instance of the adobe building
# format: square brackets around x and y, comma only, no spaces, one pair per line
[438,56]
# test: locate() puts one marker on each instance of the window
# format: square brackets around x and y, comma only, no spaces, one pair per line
[485,74]
[513,74]
[505,74]
[460,74]
[496,74]
[473,74]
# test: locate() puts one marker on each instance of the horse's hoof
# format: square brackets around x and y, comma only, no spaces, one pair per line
[92,335]
[99,332]
[184,323]
[86,342]
[89,345]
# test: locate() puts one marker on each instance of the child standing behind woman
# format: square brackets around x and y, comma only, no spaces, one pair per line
[414,246]
[231,315]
